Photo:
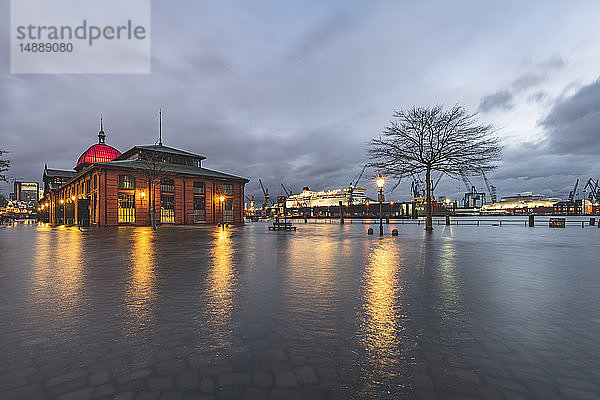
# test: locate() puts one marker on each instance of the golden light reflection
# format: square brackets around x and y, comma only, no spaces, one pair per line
[221,288]
[58,276]
[142,285]
[384,334]
[311,284]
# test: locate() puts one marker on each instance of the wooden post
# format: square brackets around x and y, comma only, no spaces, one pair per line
[447,220]
[532,221]
[341,213]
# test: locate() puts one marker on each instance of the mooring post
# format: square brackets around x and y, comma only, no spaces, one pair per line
[532,221]
[447,220]
[582,224]
[592,221]
[341,213]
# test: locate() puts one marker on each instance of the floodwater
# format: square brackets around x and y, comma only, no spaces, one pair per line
[326,312]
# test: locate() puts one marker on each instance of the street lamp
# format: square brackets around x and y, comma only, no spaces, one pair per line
[380,182]
[221,200]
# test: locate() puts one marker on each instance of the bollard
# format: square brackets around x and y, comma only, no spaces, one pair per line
[394,232]
[305,220]
[592,221]
[582,224]
[447,220]
[532,221]
[370,231]
[387,220]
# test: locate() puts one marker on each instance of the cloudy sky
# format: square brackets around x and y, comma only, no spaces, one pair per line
[292,92]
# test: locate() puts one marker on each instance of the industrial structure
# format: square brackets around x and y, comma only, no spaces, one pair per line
[107,188]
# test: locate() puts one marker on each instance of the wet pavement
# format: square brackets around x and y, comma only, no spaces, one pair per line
[326,312]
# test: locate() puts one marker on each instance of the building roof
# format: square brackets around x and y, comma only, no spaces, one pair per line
[62,173]
[159,148]
[98,152]
[171,168]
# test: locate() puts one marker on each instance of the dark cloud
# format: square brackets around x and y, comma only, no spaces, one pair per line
[286,93]
[573,123]
[527,80]
[540,72]
[499,100]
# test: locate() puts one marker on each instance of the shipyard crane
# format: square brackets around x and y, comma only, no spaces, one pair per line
[594,188]
[491,188]
[471,196]
[572,193]
[266,193]
[416,188]
[355,181]
[354,184]
[286,190]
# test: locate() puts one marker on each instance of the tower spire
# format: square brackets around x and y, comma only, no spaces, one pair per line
[101,134]
[160,127]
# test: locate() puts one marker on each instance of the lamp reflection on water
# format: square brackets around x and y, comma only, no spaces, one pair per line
[221,282]
[383,332]
[57,279]
[141,290]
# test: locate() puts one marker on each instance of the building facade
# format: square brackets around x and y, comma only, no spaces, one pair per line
[144,182]
[26,192]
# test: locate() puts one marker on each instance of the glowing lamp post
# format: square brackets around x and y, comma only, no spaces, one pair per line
[222,200]
[380,182]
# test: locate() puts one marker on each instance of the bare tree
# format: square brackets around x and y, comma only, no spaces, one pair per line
[153,171]
[4,166]
[427,139]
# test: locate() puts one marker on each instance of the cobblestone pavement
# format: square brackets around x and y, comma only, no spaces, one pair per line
[324,313]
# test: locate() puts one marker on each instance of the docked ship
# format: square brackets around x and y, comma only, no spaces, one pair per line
[522,203]
[348,196]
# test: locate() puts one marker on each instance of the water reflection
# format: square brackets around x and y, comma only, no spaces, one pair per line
[141,288]
[57,280]
[221,289]
[384,334]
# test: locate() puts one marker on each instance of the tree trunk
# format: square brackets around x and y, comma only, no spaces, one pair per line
[428,210]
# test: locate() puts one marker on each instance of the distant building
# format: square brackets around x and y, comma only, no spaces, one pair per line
[26,192]
[108,188]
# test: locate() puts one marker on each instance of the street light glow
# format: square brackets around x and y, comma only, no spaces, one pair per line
[380,182]
[222,198]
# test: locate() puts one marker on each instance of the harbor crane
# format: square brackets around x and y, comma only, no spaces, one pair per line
[267,202]
[573,192]
[594,189]
[286,190]
[491,188]
[417,188]
[472,195]
[354,183]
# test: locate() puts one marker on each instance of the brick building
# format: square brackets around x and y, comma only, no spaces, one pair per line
[108,188]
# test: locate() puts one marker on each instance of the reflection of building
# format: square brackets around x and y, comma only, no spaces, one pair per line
[26,192]
[109,188]
[522,203]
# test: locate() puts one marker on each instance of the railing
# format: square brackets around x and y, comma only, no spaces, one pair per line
[455,221]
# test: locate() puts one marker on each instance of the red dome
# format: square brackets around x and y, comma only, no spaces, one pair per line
[99,152]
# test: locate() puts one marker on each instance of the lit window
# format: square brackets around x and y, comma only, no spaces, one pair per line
[126,182]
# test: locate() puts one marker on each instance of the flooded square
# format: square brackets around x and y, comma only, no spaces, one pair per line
[326,312]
